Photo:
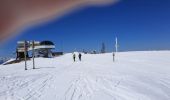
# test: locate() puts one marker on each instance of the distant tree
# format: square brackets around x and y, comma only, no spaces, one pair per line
[103,49]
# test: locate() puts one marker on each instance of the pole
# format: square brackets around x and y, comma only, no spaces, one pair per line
[33,53]
[113,56]
[116,44]
[25,55]
[62,46]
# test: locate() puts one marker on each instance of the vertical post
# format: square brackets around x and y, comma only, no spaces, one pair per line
[116,44]
[25,54]
[113,56]
[33,53]
[17,53]
[62,46]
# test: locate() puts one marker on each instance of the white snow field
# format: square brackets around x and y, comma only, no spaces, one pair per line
[143,75]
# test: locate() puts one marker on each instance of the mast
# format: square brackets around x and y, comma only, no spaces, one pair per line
[116,44]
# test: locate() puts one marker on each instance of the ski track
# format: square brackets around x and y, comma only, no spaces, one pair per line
[87,80]
[18,83]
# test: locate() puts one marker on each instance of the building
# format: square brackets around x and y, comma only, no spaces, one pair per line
[44,49]
[40,49]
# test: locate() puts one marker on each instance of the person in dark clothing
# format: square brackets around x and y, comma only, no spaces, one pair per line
[74,57]
[80,56]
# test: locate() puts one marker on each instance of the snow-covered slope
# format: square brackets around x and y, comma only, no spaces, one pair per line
[133,76]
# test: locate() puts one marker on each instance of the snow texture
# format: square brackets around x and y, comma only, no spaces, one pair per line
[141,75]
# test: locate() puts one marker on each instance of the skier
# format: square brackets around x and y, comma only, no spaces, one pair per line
[80,56]
[113,56]
[74,57]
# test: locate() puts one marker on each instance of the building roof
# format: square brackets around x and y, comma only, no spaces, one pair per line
[46,43]
[38,45]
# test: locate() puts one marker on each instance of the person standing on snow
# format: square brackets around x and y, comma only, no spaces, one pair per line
[80,56]
[74,57]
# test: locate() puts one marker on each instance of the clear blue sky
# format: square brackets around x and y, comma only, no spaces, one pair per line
[138,24]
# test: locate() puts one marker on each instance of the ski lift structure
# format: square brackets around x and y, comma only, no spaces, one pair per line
[40,49]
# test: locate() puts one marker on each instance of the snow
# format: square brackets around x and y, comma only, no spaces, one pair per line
[143,75]
[5,62]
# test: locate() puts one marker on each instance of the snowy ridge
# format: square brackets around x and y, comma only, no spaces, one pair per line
[4,59]
[141,75]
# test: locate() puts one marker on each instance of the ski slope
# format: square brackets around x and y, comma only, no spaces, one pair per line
[143,75]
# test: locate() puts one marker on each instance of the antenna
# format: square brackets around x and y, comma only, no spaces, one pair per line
[116,44]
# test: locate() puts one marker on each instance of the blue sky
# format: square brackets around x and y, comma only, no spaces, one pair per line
[138,24]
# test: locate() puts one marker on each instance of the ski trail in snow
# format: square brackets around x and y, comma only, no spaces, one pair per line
[85,87]
[36,92]
[33,87]
[95,78]
[16,83]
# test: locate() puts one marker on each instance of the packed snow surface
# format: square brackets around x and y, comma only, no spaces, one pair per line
[141,75]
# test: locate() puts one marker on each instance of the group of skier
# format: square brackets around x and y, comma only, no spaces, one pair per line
[80,55]
[74,56]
